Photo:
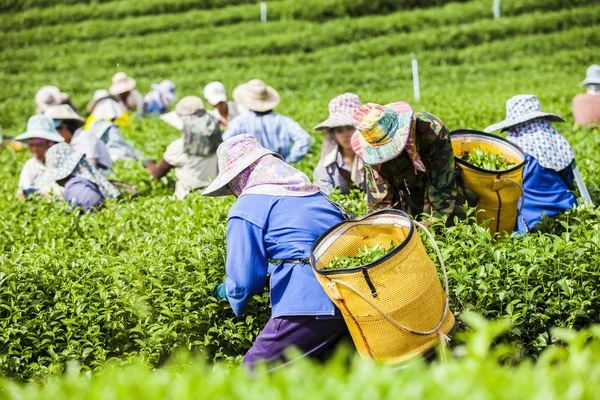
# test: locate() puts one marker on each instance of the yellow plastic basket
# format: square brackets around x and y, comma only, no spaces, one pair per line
[500,192]
[395,307]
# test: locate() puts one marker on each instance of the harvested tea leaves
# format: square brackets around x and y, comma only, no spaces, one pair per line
[366,255]
[487,160]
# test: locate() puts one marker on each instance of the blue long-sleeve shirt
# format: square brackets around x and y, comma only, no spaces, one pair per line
[262,228]
[274,132]
[545,193]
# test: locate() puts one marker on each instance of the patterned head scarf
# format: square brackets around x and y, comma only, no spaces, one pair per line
[163,93]
[539,139]
[201,134]
[272,176]
[63,161]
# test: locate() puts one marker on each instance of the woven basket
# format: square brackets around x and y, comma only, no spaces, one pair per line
[395,307]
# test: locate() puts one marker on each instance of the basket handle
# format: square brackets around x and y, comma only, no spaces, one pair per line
[390,319]
[520,187]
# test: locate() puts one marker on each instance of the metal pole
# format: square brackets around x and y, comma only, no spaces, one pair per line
[415,71]
[496,9]
[263,11]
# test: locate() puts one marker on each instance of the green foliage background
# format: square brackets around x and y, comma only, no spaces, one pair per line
[132,283]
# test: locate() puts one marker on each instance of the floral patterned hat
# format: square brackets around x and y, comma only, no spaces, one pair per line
[382,131]
[234,156]
[522,108]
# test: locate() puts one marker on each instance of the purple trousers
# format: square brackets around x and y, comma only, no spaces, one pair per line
[307,333]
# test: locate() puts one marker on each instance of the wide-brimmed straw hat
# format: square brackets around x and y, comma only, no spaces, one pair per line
[64,112]
[382,131]
[61,160]
[256,95]
[592,75]
[522,108]
[49,96]
[234,156]
[187,106]
[121,83]
[40,127]
[99,94]
[341,112]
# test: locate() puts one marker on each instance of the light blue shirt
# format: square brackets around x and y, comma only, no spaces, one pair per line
[262,228]
[273,131]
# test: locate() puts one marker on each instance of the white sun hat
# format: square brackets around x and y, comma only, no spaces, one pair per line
[215,93]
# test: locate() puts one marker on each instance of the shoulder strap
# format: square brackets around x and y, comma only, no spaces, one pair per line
[564,174]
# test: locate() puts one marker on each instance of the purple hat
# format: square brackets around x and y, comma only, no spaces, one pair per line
[234,156]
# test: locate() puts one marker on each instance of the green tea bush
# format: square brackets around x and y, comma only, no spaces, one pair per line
[132,283]
[571,371]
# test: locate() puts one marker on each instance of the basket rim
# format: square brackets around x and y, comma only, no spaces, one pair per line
[472,132]
[366,266]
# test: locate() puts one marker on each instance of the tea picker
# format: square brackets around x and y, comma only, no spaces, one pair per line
[549,174]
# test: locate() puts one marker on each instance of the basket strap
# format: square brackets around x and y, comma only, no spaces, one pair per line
[390,319]
[520,187]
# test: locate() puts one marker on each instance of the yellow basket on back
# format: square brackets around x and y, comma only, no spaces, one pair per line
[499,191]
[395,307]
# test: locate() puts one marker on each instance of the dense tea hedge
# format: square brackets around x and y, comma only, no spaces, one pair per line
[569,372]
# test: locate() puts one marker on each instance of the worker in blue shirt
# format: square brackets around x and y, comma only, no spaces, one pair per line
[278,216]
[273,131]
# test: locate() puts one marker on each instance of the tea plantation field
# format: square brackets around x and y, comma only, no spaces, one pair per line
[132,283]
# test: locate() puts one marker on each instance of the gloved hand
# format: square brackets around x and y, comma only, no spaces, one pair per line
[220,292]
[144,160]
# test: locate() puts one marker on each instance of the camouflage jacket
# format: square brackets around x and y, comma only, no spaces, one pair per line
[438,190]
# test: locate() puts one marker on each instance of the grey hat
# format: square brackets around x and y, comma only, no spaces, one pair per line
[522,108]
[592,75]
[40,127]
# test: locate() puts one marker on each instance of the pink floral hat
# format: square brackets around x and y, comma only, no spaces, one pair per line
[234,156]
[341,112]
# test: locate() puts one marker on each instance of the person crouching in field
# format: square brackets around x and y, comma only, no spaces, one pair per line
[273,131]
[84,185]
[193,156]
[159,99]
[40,136]
[277,216]
[339,167]
[409,162]
[123,87]
[223,110]
[105,113]
[548,180]
[586,106]
[49,96]
[69,125]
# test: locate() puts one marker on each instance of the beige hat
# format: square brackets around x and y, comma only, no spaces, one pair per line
[49,96]
[64,112]
[121,83]
[189,105]
[99,94]
[256,96]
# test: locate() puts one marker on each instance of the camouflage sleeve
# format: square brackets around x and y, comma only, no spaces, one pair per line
[378,194]
[438,158]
